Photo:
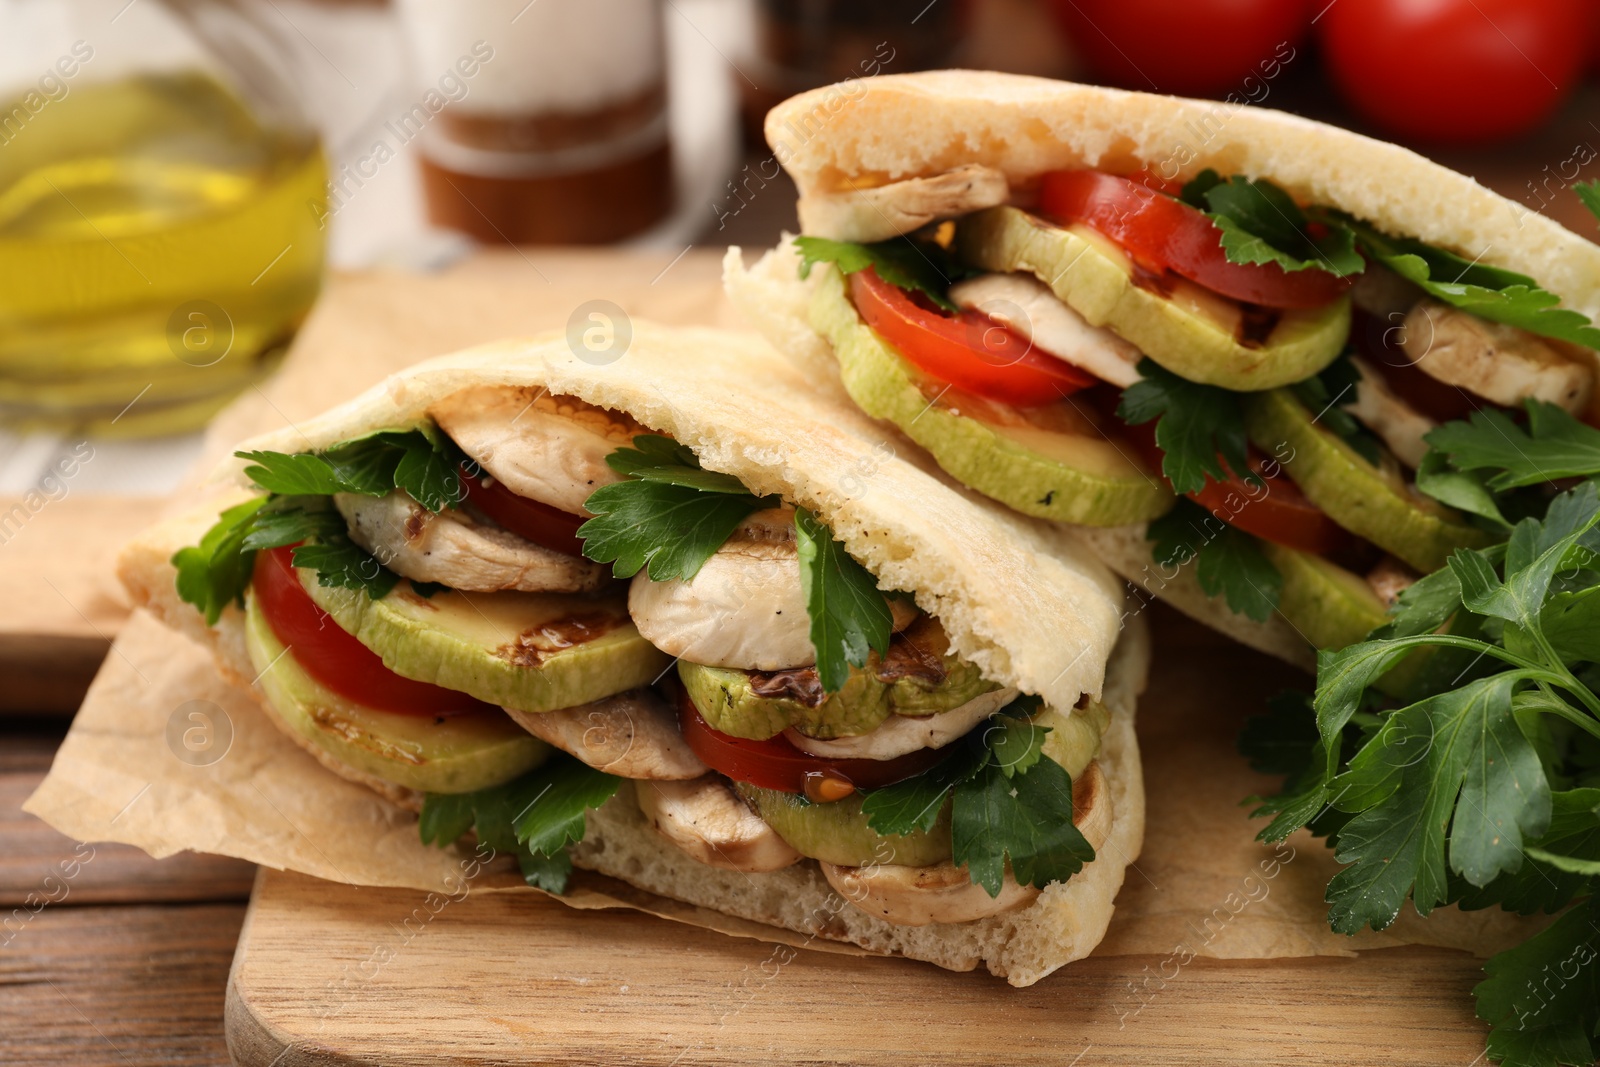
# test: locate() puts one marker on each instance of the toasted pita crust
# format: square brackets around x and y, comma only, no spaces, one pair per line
[1020,598]
[1126,550]
[838,139]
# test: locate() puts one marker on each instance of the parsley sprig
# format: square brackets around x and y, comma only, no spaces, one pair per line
[1009,803]
[297,507]
[1480,787]
[1200,429]
[1260,223]
[915,266]
[670,515]
[1228,562]
[1493,293]
[534,818]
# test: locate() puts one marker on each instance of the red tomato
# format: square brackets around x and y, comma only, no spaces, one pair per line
[1196,47]
[1280,513]
[776,764]
[1456,70]
[970,351]
[1162,234]
[542,524]
[334,657]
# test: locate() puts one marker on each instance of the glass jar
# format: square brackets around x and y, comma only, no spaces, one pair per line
[160,197]
[556,131]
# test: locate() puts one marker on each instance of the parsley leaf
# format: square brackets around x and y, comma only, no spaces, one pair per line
[1463,745]
[1463,490]
[214,573]
[900,261]
[1328,392]
[534,817]
[1540,885]
[1542,998]
[1492,293]
[1589,193]
[848,614]
[343,564]
[1282,740]
[1554,445]
[1025,818]
[554,818]
[1008,803]
[423,462]
[670,515]
[1260,223]
[915,803]
[286,520]
[1228,562]
[673,529]
[1201,429]
[293,474]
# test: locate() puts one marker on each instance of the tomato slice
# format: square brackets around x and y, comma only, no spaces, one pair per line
[1161,234]
[334,657]
[969,350]
[776,764]
[540,523]
[1280,513]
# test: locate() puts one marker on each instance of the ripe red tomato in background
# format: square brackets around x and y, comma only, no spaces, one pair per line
[1456,71]
[1192,47]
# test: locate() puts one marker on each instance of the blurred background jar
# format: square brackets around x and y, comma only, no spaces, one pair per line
[552,119]
[801,44]
[160,191]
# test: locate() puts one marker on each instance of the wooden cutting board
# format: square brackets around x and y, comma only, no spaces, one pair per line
[333,974]
[330,974]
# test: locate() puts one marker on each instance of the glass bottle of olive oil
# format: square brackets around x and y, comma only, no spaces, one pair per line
[159,246]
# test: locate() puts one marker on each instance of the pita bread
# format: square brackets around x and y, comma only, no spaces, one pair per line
[838,141]
[1020,598]
[843,144]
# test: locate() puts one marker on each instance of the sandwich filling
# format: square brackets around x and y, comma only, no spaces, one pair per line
[525,606]
[1288,397]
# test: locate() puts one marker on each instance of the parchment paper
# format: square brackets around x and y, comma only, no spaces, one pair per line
[166,756]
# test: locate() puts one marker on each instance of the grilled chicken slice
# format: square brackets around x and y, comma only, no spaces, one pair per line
[547,448]
[1026,305]
[1501,363]
[632,735]
[745,607]
[917,896]
[1381,410]
[886,211]
[901,734]
[454,549]
[1389,579]
[708,820]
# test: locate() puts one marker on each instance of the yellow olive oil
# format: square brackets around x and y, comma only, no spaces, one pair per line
[159,247]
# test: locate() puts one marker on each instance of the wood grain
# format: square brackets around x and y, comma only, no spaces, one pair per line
[40,867]
[129,986]
[532,982]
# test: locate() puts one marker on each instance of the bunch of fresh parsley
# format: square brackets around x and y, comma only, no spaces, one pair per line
[1480,784]
[534,817]
[297,508]
[670,515]
[1009,803]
